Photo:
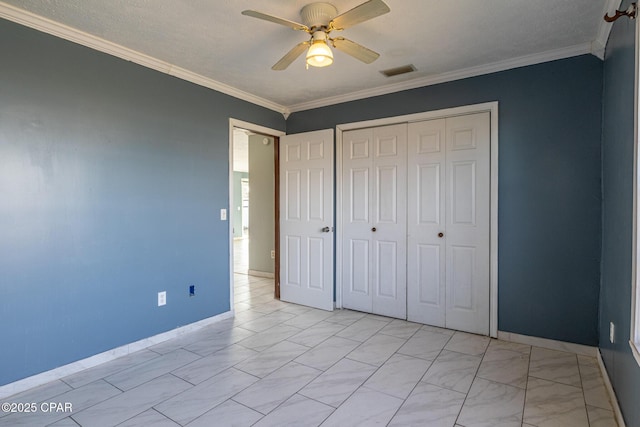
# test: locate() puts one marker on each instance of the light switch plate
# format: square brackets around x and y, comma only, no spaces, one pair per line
[223,214]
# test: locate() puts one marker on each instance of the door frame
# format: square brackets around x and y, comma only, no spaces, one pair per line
[492,108]
[276,134]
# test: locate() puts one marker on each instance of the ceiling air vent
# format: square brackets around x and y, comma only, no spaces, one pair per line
[398,70]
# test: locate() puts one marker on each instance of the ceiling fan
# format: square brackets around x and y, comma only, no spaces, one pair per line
[320,19]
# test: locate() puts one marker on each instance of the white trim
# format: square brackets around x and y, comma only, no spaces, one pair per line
[635,351]
[253,128]
[480,70]
[100,358]
[599,45]
[491,107]
[337,235]
[612,394]
[584,350]
[634,339]
[235,123]
[57,29]
[493,226]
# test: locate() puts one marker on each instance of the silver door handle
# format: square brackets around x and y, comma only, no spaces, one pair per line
[326,229]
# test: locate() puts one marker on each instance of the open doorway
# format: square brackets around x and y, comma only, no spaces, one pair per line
[253,202]
[254,209]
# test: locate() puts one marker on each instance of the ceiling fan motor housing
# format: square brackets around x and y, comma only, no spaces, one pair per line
[318,14]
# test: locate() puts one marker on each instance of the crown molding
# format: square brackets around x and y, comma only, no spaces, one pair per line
[600,43]
[57,29]
[521,61]
[48,26]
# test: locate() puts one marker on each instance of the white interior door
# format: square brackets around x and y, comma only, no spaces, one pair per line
[374,218]
[426,286]
[448,222]
[357,192]
[467,222]
[390,221]
[306,219]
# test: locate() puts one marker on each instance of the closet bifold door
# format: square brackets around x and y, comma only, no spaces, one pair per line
[448,222]
[374,220]
[357,164]
[426,286]
[468,198]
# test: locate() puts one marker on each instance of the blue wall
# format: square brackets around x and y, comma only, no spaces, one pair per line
[549,185]
[111,181]
[617,216]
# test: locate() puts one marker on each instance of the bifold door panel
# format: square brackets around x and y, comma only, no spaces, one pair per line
[426,261]
[448,222]
[374,234]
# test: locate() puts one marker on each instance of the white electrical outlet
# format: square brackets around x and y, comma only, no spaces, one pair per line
[273,254]
[162,298]
[612,332]
[223,214]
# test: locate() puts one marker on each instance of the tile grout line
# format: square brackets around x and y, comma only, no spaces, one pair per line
[526,385]
[584,398]
[415,386]
[466,396]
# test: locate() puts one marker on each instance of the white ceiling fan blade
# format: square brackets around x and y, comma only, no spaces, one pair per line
[354,49]
[358,14]
[290,56]
[271,18]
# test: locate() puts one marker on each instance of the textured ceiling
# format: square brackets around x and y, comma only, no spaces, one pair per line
[439,37]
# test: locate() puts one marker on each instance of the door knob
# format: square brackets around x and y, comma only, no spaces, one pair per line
[441,235]
[373,229]
[326,229]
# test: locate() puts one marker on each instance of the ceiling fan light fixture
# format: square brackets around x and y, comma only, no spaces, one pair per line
[319,20]
[319,54]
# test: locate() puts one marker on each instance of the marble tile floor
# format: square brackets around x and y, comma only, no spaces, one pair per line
[280,364]
[241,255]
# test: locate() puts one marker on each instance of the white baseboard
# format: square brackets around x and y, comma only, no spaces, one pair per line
[612,393]
[72,368]
[584,350]
[259,273]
